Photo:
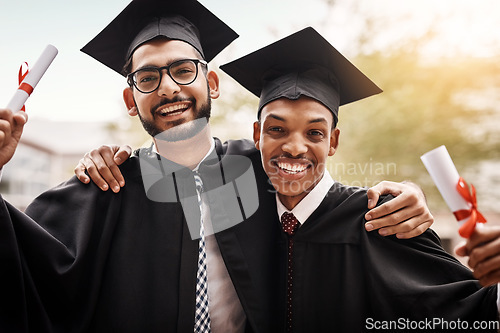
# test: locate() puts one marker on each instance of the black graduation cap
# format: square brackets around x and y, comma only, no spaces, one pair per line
[303,63]
[143,20]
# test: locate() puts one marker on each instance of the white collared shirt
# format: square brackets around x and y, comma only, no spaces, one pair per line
[310,202]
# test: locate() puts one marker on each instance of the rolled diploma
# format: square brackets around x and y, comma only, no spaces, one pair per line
[445,175]
[32,78]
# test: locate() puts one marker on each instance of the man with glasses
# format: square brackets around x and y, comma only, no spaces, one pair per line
[140,260]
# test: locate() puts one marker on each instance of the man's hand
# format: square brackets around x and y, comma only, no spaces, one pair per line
[102,165]
[406,216]
[483,249]
[11,129]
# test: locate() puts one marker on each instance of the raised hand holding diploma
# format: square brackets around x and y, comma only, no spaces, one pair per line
[453,189]
[31,79]
[12,121]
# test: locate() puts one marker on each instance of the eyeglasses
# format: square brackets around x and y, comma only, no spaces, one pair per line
[182,72]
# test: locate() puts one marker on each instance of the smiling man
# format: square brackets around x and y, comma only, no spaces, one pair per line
[296,147]
[173,109]
[339,277]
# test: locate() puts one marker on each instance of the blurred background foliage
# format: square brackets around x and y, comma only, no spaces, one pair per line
[423,106]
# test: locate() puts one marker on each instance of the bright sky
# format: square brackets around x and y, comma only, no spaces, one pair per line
[76,87]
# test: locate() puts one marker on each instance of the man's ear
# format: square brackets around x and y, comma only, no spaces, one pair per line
[256,134]
[128,98]
[213,84]
[334,141]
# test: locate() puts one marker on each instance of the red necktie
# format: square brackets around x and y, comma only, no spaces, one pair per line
[290,224]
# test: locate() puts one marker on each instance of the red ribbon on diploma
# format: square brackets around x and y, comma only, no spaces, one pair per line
[473,214]
[22,85]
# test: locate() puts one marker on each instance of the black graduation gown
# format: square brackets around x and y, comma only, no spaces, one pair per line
[348,280]
[102,262]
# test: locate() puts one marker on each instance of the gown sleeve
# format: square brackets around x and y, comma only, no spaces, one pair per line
[51,267]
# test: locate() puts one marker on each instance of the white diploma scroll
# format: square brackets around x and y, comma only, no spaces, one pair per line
[32,78]
[445,175]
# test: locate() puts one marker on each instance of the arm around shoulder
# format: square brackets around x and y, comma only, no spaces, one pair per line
[102,167]
[406,216]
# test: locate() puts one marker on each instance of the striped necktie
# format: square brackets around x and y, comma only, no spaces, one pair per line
[202,316]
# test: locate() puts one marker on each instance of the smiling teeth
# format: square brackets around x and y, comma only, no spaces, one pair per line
[171,113]
[291,168]
[171,110]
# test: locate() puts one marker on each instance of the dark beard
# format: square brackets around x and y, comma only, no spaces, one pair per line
[180,130]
